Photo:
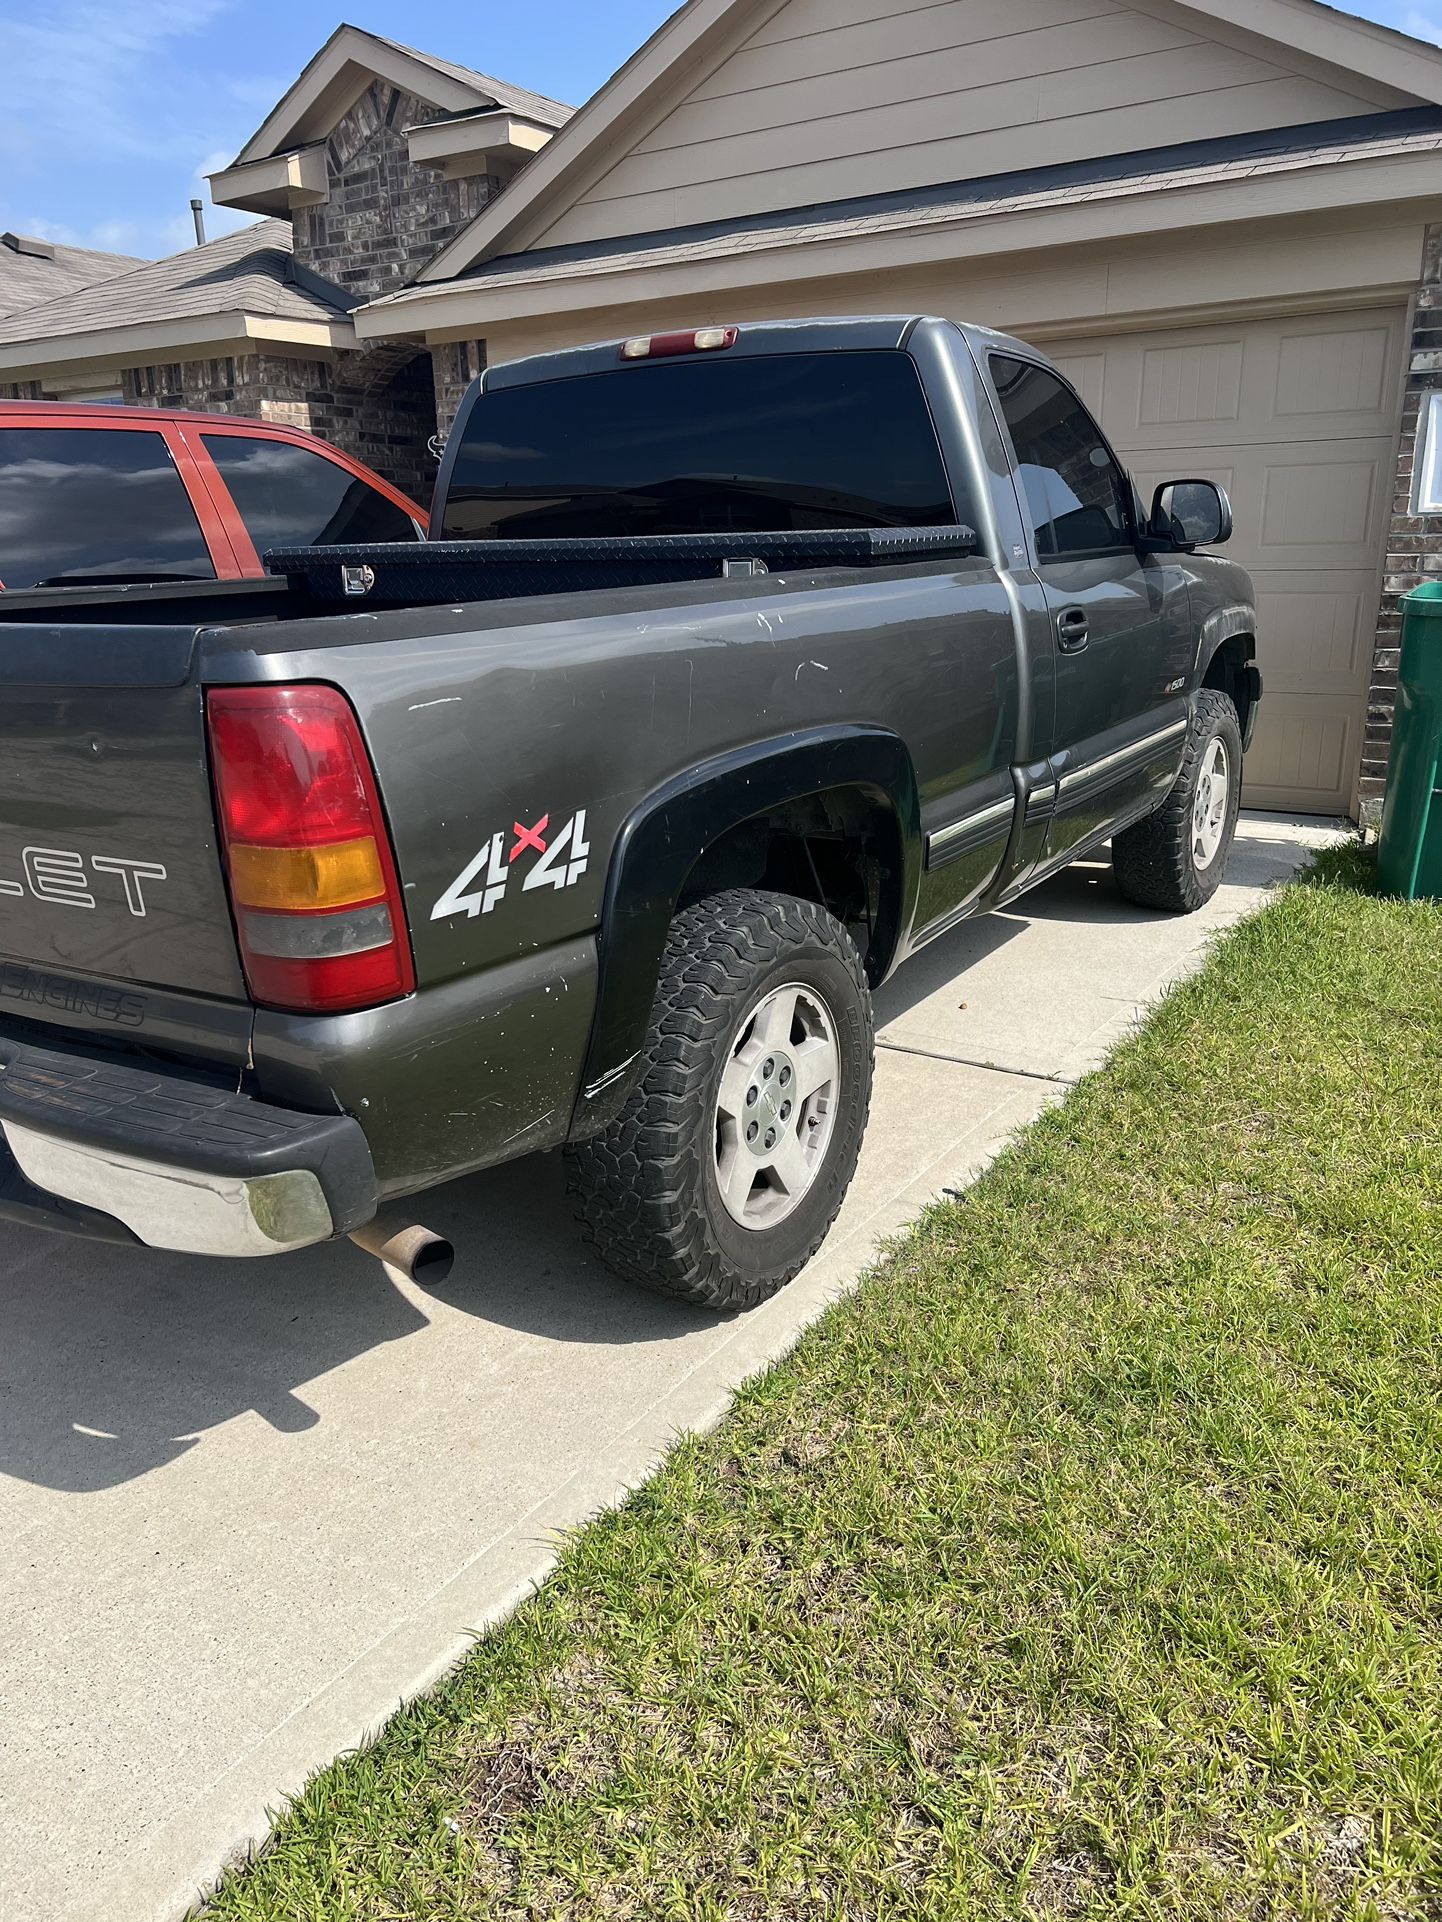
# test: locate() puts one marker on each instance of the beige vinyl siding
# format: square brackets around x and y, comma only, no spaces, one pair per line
[832,98]
[1044,295]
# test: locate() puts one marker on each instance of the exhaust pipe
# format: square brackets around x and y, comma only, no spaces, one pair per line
[421,1256]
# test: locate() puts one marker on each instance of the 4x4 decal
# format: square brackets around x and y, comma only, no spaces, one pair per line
[480,887]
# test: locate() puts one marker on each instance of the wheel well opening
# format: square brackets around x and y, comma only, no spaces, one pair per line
[1227,673]
[840,848]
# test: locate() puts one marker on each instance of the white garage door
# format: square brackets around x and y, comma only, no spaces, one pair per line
[1298,420]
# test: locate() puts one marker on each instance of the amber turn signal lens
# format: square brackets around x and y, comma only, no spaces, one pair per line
[336,875]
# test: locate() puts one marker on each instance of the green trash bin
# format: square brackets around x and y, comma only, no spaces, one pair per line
[1409,858]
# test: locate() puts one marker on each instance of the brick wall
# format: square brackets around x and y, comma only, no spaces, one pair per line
[1414,542]
[385,217]
[380,406]
[456,365]
[228,385]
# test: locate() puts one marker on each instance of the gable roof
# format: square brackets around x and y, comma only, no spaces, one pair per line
[335,78]
[1398,70]
[33,270]
[493,92]
[244,285]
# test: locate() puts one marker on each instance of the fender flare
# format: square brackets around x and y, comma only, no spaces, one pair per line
[661,841]
[1223,626]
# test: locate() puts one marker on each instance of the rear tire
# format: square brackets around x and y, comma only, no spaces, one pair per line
[720,1177]
[1175,858]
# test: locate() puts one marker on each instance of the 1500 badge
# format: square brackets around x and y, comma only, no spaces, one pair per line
[481,885]
[63,876]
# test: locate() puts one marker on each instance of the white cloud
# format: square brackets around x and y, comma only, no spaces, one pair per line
[108,85]
[84,73]
[150,239]
[1422,26]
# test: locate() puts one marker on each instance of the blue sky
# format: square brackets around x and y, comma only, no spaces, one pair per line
[114,109]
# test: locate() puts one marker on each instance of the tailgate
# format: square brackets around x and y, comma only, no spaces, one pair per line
[108,866]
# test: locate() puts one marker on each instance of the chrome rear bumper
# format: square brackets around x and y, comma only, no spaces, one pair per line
[168,1207]
[177,1163]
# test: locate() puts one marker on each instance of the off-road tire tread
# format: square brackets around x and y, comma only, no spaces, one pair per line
[633,1185]
[1152,859]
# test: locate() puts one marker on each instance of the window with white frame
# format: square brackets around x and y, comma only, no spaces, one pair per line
[1427,488]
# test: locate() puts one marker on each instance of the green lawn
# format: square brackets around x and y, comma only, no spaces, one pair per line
[1087,1562]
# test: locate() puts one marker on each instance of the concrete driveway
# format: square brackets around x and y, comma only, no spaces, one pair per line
[246,1507]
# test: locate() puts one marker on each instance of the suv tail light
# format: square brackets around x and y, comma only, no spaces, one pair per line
[312,878]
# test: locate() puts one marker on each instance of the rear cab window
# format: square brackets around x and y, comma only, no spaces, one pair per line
[292,496]
[95,504]
[765,444]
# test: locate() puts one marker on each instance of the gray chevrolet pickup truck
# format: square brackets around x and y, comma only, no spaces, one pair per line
[739,664]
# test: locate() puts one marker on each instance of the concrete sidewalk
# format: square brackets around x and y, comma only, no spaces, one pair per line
[247,1507]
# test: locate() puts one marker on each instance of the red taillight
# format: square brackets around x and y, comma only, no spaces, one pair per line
[312,878]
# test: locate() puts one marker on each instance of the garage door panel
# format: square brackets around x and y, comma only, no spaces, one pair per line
[1296,418]
[1199,381]
[1316,639]
[1330,376]
[1336,373]
[1304,754]
[1320,504]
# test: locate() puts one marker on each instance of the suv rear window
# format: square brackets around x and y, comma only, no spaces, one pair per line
[290,496]
[94,503]
[709,445]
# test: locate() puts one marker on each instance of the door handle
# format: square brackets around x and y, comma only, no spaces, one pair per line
[1071,630]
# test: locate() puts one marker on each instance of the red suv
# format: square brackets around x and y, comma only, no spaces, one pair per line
[128,494]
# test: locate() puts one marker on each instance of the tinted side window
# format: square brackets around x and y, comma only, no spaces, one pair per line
[81,502]
[290,496]
[1074,492]
[704,445]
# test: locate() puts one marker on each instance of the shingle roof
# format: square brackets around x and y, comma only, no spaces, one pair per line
[553,113]
[250,271]
[27,279]
[1193,163]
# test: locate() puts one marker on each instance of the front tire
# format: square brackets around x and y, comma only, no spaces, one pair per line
[720,1177]
[1175,858]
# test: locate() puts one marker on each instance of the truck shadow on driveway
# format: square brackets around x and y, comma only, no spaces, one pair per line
[116,1361]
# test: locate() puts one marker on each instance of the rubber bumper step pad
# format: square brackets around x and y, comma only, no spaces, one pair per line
[156,1116]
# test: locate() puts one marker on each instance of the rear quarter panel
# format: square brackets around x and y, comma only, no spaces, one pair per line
[519,732]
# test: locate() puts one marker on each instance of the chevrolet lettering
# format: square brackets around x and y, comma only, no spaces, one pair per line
[66,876]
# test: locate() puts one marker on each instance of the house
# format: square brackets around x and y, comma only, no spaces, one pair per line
[375,158]
[1222,218]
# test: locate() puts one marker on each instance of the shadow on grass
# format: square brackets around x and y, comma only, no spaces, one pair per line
[1345,864]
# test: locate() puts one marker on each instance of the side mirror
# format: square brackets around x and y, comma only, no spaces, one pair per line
[1191,513]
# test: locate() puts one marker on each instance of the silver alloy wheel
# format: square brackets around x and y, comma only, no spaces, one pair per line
[1209,810]
[776,1106]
